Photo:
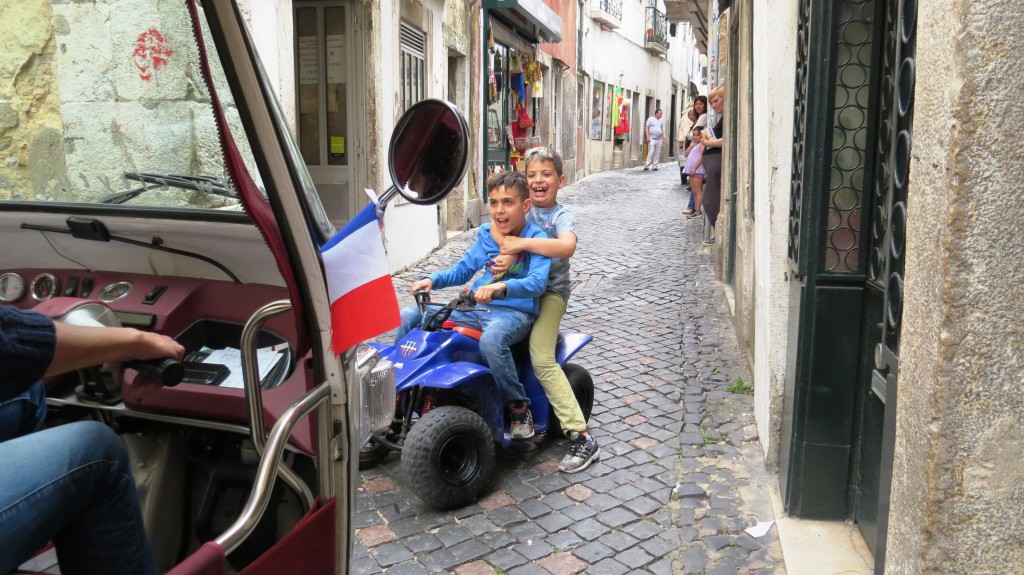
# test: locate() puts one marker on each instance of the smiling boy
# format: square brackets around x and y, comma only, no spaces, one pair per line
[508,320]
[544,176]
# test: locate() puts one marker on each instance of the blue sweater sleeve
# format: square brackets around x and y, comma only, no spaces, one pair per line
[28,341]
[471,262]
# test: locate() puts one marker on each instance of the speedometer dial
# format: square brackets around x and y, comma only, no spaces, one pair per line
[12,287]
[115,291]
[44,287]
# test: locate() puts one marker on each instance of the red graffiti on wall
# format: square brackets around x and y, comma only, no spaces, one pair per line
[151,52]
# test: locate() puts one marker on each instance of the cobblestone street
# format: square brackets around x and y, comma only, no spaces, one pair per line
[680,476]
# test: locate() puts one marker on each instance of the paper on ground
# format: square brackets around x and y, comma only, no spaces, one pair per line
[760,529]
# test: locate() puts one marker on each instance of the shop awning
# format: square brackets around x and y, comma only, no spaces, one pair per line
[532,17]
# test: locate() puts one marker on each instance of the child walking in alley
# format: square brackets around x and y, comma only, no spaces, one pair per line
[508,320]
[545,177]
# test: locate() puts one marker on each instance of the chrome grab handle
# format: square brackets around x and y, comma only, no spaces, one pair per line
[271,464]
[254,395]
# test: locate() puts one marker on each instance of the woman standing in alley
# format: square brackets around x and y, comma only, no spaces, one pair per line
[712,160]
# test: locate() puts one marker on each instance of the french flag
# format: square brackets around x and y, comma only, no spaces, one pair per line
[363,302]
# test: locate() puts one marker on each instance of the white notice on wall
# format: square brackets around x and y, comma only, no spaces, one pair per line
[336,59]
[307,60]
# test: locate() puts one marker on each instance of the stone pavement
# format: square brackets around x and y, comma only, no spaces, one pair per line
[681,474]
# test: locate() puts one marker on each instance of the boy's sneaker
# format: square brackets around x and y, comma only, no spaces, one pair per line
[522,423]
[583,451]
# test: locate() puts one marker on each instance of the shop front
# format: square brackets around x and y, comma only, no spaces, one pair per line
[513,80]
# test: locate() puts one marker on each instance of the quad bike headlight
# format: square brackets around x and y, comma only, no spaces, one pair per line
[377,381]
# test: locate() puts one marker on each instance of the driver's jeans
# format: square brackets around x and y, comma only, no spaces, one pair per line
[501,327]
[72,484]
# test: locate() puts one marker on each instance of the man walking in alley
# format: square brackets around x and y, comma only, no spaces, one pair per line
[654,135]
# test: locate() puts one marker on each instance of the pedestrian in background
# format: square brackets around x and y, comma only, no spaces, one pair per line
[712,159]
[695,170]
[654,134]
[684,137]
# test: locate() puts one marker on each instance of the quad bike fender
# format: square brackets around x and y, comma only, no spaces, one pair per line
[448,375]
[471,377]
[569,344]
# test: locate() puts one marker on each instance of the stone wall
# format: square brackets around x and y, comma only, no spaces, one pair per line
[95,90]
[957,490]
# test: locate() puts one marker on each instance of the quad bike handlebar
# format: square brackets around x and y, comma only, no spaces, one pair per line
[464,302]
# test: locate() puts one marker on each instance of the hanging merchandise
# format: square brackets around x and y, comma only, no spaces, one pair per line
[622,128]
[524,120]
[497,72]
[531,68]
[519,86]
[492,87]
[490,41]
[538,89]
[515,63]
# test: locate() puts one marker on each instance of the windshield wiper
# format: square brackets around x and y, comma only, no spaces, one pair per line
[206,184]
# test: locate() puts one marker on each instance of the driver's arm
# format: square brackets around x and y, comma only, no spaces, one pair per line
[83,346]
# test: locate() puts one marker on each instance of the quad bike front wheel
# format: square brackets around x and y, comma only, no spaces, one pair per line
[449,456]
[582,388]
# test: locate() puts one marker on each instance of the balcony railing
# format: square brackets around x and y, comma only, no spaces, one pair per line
[607,13]
[656,35]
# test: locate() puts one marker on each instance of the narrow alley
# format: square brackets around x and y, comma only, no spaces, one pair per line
[681,475]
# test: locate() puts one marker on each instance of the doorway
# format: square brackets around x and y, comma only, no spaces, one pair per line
[324,61]
[854,101]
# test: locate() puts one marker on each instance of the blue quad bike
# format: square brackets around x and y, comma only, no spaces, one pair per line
[449,413]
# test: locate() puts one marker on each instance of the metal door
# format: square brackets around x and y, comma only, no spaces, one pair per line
[848,213]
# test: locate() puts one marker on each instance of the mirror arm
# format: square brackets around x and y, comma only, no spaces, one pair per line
[388,195]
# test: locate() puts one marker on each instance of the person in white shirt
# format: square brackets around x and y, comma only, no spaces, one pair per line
[654,135]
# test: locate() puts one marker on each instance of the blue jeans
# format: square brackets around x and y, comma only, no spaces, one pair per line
[23,413]
[72,484]
[501,327]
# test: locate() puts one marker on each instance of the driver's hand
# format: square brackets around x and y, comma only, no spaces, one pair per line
[485,294]
[155,346]
[424,284]
[148,345]
[512,245]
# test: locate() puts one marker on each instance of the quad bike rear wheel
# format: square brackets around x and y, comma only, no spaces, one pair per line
[583,388]
[449,456]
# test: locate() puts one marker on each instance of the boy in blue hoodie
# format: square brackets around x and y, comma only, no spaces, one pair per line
[508,320]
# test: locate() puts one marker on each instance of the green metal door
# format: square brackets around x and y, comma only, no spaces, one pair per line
[848,213]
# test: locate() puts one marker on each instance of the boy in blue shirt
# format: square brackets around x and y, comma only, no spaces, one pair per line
[508,320]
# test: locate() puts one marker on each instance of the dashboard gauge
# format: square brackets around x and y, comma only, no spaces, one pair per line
[12,287]
[44,287]
[115,291]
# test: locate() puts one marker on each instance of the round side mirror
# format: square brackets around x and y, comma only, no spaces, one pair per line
[429,151]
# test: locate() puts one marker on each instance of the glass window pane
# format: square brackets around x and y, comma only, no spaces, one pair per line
[308,77]
[335,64]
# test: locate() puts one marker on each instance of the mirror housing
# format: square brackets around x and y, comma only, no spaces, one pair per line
[429,151]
